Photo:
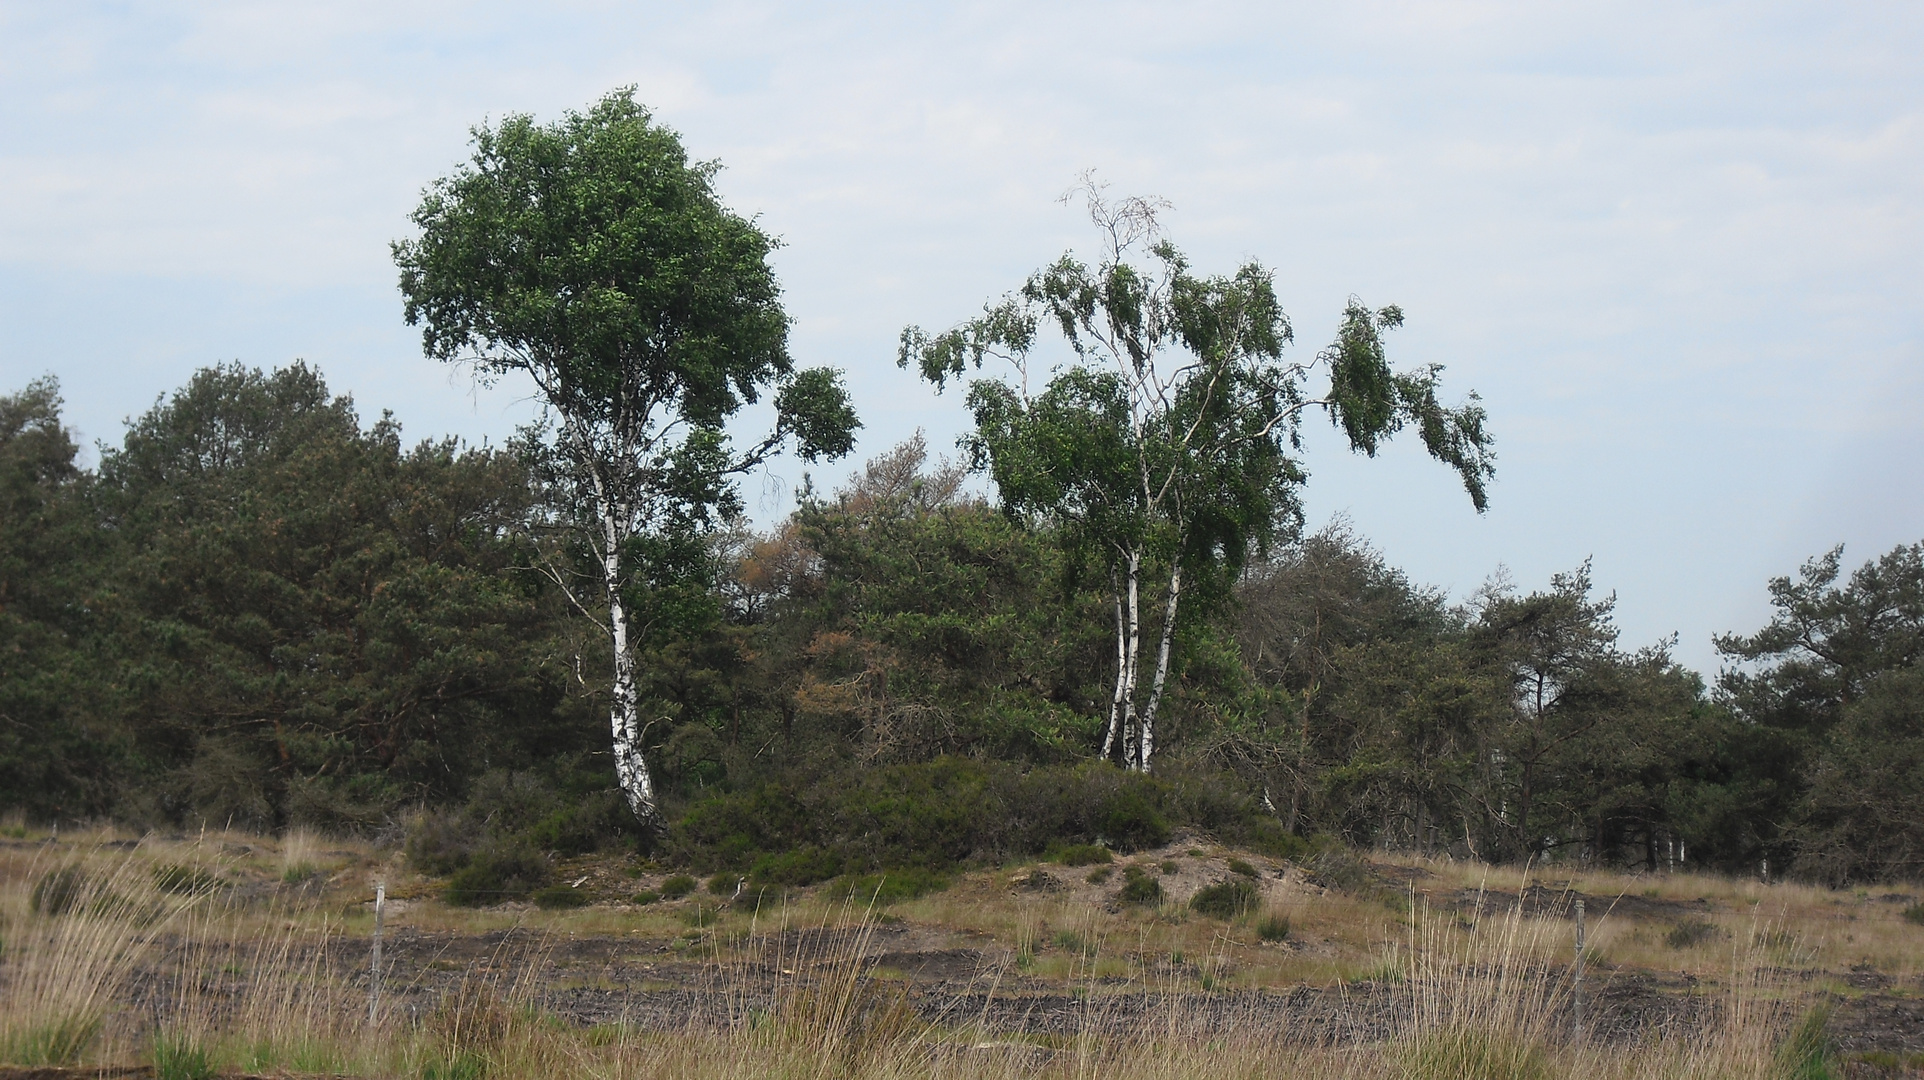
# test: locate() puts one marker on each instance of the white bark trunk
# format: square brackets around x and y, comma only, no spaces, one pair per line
[1131,661]
[1115,700]
[624,714]
[1162,670]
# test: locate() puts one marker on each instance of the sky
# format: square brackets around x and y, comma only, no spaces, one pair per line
[1677,248]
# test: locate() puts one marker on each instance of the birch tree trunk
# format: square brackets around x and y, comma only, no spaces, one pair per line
[1131,735]
[1115,700]
[1162,670]
[624,714]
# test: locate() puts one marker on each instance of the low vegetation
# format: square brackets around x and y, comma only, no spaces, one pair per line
[1471,978]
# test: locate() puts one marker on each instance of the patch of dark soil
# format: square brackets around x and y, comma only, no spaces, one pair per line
[939,964]
[1877,1022]
[102,1072]
[1544,900]
[1866,977]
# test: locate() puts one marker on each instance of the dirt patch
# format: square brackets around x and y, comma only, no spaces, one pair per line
[1550,901]
[1879,1022]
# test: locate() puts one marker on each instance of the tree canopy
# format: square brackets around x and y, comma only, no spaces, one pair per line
[594,257]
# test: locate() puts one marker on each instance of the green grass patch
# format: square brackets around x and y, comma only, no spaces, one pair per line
[179,1058]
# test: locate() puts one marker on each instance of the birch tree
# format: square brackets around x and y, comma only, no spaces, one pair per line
[592,256]
[1165,449]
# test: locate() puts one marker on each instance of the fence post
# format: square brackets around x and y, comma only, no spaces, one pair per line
[374,964]
[1576,1029]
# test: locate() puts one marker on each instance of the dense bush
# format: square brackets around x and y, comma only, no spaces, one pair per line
[560,897]
[887,888]
[1081,854]
[949,812]
[494,876]
[1139,888]
[1225,899]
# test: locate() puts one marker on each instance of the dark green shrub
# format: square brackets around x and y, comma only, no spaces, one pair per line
[1171,866]
[1130,821]
[1139,888]
[560,897]
[803,866]
[596,821]
[497,876]
[1338,867]
[1238,866]
[183,880]
[440,843]
[1099,875]
[1691,932]
[701,914]
[1273,928]
[645,897]
[1225,899]
[724,884]
[678,886]
[1914,914]
[58,891]
[890,887]
[1082,855]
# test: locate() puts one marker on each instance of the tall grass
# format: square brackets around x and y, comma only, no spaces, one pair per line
[75,927]
[112,969]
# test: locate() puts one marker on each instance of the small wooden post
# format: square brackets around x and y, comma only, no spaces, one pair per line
[374,964]
[1576,1028]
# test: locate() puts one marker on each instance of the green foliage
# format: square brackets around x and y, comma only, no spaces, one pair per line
[1167,448]
[724,884]
[677,886]
[1081,854]
[1464,1051]
[561,897]
[1806,1052]
[592,256]
[1273,928]
[1691,932]
[185,880]
[60,751]
[177,1057]
[465,1065]
[1240,866]
[58,891]
[1225,899]
[1099,875]
[495,876]
[1914,914]
[1139,888]
[60,1041]
[804,866]
[934,814]
[890,887]
[645,897]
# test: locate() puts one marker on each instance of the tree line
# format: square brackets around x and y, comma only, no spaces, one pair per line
[257,610]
